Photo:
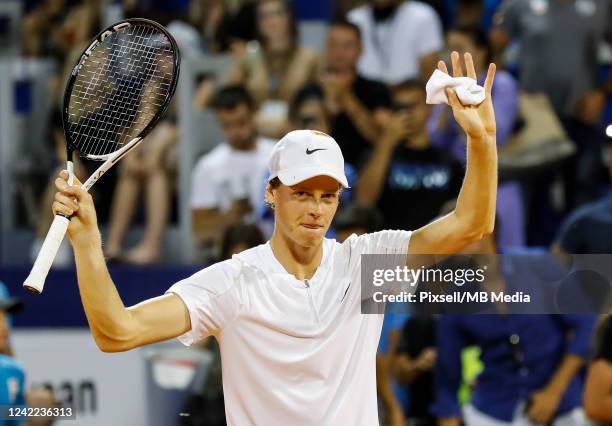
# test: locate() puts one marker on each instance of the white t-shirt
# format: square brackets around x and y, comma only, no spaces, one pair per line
[226,174]
[392,48]
[292,352]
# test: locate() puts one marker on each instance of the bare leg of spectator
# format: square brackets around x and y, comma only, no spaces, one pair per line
[123,208]
[158,208]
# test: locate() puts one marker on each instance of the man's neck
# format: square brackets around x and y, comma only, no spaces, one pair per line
[301,262]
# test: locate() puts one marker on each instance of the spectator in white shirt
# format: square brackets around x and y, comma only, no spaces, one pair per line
[401,40]
[228,183]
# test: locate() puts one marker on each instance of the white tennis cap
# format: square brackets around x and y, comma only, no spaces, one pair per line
[303,154]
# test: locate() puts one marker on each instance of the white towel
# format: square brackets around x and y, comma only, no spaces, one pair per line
[467,89]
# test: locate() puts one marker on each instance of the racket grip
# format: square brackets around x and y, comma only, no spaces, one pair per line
[36,280]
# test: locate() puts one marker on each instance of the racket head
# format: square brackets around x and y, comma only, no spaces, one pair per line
[120,87]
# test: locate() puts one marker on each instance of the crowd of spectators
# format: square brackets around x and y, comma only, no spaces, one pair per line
[405,161]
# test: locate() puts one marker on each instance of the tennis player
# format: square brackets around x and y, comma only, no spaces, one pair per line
[295,347]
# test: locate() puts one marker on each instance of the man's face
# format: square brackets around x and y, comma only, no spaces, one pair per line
[343,49]
[305,211]
[312,116]
[411,103]
[238,126]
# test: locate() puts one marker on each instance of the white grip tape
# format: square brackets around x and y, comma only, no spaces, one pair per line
[36,280]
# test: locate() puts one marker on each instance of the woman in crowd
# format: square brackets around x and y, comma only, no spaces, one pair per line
[276,67]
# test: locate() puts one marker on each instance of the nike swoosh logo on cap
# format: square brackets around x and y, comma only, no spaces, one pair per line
[309,151]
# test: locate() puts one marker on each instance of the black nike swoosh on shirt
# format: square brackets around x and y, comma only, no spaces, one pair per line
[309,151]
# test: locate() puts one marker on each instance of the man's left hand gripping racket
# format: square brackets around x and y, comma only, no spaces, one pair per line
[118,90]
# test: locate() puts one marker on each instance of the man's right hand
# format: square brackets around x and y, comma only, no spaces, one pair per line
[77,204]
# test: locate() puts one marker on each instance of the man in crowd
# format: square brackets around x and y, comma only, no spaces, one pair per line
[228,183]
[402,40]
[351,100]
[404,169]
[532,363]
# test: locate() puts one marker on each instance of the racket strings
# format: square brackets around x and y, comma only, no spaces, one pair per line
[119,89]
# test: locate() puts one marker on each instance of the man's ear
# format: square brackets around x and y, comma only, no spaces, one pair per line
[269,194]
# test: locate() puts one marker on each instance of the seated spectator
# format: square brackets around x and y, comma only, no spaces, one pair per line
[307,111]
[239,237]
[12,375]
[446,133]
[402,39]
[558,57]
[352,100]
[276,68]
[356,219]
[588,230]
[412,366]
[54,27]
[532,363]
[228,183]
[405,170]
[598,387]
[147,171]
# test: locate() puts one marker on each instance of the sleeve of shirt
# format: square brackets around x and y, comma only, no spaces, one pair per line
[581,329]
[430,29]
[448,371]
[211,298]
[203,195]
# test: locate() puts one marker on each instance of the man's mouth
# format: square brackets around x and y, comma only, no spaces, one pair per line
[311,225]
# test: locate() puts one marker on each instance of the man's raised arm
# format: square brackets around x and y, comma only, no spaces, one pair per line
[474,214]
[114,327]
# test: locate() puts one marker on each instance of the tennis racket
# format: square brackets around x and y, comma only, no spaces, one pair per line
[118,90]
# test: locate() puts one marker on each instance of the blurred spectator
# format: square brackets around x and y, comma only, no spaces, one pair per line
[352,100]
[392,396]
[228,183]
[413,364]
[446,133]
[406,177]
[224,25]
[598,387]
[240,237]
[147,171]
[12,375]
[356,219]
[54,27]
[588,230]
[532,363]
[307,110]
[276,67]
[402,39]
[558,55]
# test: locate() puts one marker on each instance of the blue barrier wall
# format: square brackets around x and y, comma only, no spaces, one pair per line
[60,304]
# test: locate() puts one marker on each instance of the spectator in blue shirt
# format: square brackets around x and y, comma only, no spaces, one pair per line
[12,376]
[532,364]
